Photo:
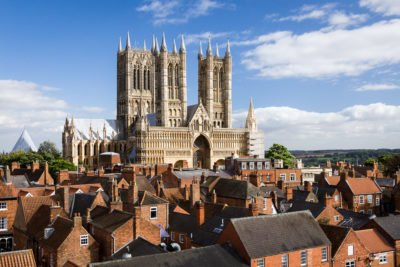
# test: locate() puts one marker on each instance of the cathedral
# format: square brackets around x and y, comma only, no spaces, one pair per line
[155,124]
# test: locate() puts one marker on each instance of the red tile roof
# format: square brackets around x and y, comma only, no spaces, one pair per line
[362,186]
[7,190]
[19,258]
[332,180]
[373,241]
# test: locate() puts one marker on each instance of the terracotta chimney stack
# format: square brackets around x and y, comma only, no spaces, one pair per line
[77,219]
[289,193]
[66,198]
[199,212]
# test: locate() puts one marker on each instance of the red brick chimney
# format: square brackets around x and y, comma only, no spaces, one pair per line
[136,221]
[253,209]
[8,174]
[186,192]
[100,172]
[214,196]
[14,165]
[132,192]
[199,212]
[129,174]
[194,191]
[35,165]
[63,175]
[328,201]
[77,219]
[54,212]
[289,193]
[66,198]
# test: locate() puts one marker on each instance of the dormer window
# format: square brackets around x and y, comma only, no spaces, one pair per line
[84,240]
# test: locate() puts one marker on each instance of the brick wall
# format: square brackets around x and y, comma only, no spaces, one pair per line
[10,212]
[360,253]
[162,215]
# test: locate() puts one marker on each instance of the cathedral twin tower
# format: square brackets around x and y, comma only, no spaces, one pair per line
[155,82]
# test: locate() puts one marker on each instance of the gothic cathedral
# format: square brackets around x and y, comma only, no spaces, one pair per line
[154,123]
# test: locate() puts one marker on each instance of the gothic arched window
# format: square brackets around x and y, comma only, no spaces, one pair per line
[170,81]
[176,76]
[148,79]
[144,79]
[134,78]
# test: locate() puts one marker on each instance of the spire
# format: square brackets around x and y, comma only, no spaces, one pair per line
[157,49]
[209,49]
[163,44]
[144,45]
[217,50]
[120,45]
[251,118]
[174,49]
[200,50]
[228,49]
[128,42]
[72,122]
[182,49]
[66,122]
[153,44]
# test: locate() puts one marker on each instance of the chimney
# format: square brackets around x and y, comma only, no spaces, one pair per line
[66,199]
[253,209]
[14,165]
[8,175]
[328,164]
[63,175]
[115,193]
[199,212]
[194,191]
[328,200]
[289,193]
[203,177]
[159,187]
[308,186]
[54,212]
[169,168]
[214,196]
[88,215]
[132,193]
[129,174]
[186,192]
[343,176]
[46,174]
[100,172]
[77,219]
[274,196]
[35,165]
[136,221]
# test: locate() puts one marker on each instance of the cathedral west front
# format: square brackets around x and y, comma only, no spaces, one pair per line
[155,124]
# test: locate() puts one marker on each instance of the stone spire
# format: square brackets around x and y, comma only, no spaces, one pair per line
[216,50]
[209,49]
[182,49]
[174,50]
[157,49]
[153,44]
[228,49]
[163,44]
[251,123]
[144,45]
[120,45]
[200,50]
[128,42]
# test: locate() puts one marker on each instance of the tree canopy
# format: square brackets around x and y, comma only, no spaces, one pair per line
[277,151]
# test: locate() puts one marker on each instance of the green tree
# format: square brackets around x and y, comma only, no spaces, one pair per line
[277,151]
[369,162]
[49,151]
[24,158]
[391,165]
[60,164]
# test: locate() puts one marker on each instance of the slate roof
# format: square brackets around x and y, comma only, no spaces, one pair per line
[147,198]
[301,195]
[111,221]
[314,208]
[386,182]
[138,247]
[336,235]
[235,189]
[275,234]
[20,181]
[81,202]
[391,225]
[19,258]
[269,189]
[198,257]
[182,222]
[322,191]
[62,228]
[353,219]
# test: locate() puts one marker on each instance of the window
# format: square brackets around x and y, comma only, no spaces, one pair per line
[350,250]
[282,177]
[369,199]
[350,263]
[377,201]
[267,165]
[265,203]
[259,165]
[268,178]
[303,258]
[324,254]
[3,205]
[251,165]
[260,263]
[361,199]
[3,224]
[292,177]
[382,258]
[172,236]
[153,213]
[355,199]
[336,198]
[336,218]
[181,238]
[84,240]
[243,165]
[285,262]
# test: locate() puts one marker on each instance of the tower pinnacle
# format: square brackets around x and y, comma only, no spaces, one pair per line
[200,50]
[120,45]
[157,49]
[153,44]
[209,49]
[182,49]
[163,44]
[144,45]
[217,50]
[128,42]
[251,123]
[228,49]
[174,50]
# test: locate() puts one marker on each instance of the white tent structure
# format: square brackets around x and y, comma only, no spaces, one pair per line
[24,143]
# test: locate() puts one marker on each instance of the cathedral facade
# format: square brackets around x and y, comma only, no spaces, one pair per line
[155,124]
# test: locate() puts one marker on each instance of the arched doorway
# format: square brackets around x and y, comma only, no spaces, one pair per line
[201,153]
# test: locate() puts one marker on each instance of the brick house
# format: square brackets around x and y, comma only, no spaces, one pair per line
[347,248]
[8,209]
[269,241]
[360,194]
[323,212]
[34,172]
[66,242]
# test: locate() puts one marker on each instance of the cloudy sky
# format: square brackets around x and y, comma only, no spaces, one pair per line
[322,74]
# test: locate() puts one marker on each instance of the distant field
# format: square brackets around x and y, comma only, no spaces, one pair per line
[355,156]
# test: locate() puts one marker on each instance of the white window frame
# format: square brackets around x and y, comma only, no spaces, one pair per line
[265,203]
[244,166]
[260,262]
[259,165]
[84,240]
[251,165]
[292,177]
[267,165]
[285,260]
[355,199]
[3,223]
[151,211]
[181,238]
[3,205]
[282,177]
[377,201]
[383,258]
[336,218]
[350,263]
[350,250]
[361,201]
[369,199]
[303,256]
[324,252]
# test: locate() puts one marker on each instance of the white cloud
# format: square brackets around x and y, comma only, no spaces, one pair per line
[23,104]
[309,12]
[177,11]
[385,7]
[92,109]
[360,126]
[319,54]
[342,20]
[197,37]
[377,87]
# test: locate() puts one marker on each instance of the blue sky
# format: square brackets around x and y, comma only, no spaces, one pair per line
[322,74]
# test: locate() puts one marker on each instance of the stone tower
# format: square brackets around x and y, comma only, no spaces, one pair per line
[151,82]
[215,85]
